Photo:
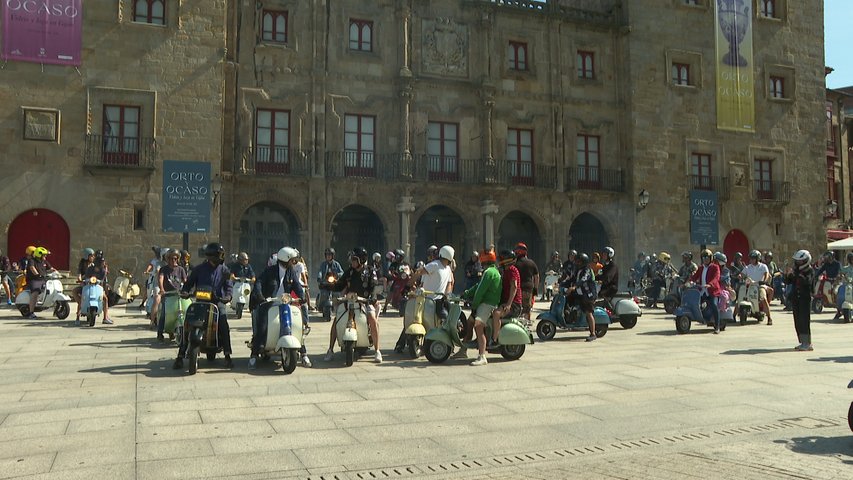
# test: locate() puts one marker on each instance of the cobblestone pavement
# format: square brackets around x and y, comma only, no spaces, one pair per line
[644,403]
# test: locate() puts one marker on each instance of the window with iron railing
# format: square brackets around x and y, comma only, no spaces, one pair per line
[588,161]
[359,145]
[272,141]
[700,169]
[443,150]
[519,155]
[121,135]
[763,177]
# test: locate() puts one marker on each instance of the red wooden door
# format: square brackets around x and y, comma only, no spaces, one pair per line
[736,241]
[41,228]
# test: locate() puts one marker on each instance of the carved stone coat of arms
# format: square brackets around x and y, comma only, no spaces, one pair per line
[445,50]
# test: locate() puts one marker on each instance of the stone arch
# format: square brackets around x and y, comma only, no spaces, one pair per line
[587,234]
[42,228]
[441,225]
[357,225]
[276,196]
[519,226]
[265,227]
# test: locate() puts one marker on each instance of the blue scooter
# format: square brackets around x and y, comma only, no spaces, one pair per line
[692,310]
[569,318]
[92,298]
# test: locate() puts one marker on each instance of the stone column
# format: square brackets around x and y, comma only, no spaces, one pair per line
[406,163]
[405,208]
[405,14]
[488,209]
[490,174]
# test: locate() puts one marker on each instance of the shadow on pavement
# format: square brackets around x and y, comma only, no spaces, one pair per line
[832,359]
[839,447]
[153,369]
[128,343]
[754,351]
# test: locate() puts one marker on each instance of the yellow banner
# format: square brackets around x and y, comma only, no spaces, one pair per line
[734,62]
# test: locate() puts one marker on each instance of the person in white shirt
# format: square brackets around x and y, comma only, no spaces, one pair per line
[758,272]
[437,277]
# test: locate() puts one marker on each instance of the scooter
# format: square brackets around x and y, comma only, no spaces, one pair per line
[665,290]
[200,329]
[50,297]
[153,290]
[673,297]
[850,410]
[324,298]
[748,304]
[822,294]
[692,310]
[551,284]
[242,289]
[176,308]
[420,317]
[440,342]
[400,289]
[285,332]
[351,324]
[623,309]
[125,288]
[92,300]
[844,295]
[569,318]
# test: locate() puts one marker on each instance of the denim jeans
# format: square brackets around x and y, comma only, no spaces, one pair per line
[715,311]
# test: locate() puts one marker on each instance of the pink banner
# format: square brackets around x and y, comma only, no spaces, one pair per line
[42,31]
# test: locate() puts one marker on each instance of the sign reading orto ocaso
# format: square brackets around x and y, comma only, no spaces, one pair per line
[186,196]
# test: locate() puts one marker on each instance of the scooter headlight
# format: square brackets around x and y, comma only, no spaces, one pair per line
[93,280]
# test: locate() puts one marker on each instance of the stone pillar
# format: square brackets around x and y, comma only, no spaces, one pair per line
[405,14]
[490,172]
[406,162]
[405,208]
[488,209]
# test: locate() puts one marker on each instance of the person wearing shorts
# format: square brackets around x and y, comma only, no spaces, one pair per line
[510,306]
[359,279]
[583,292]
[485,296]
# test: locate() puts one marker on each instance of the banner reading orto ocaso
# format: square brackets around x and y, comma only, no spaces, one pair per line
[42,31]
[734,62]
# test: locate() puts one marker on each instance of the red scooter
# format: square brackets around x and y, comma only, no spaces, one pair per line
[399,289]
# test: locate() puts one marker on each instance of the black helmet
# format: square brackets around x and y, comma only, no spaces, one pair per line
[360,253]
[330,251]
[99,254]
[768,254]
[505,257]
[738,255]
[755,254]
[214,252]
[573,253]
[687,254]
[399,254]
[583,259]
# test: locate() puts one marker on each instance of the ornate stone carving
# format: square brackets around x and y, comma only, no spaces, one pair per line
[445,47]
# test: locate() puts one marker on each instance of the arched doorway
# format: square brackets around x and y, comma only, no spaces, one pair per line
[516,227]
[357,226]
[587,234]
[440,225]
[736,241]
[265,227]
[41,227]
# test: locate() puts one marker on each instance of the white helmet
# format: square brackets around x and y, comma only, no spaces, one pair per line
[446,253]
[803,256]
[286,253]
[377,256]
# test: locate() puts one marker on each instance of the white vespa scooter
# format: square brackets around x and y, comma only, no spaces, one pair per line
[551,279]
[844,296]
[748,304]
[351,324]
[125,288]
[242,289]
[50,297]
[285,332]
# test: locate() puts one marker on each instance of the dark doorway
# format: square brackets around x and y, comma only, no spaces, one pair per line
[440,225]
[41,227]
[357,226]
[264,228]
[517,227]
[587,234]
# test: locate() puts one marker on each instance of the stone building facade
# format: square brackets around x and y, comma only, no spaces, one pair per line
[399,123]
[839,119]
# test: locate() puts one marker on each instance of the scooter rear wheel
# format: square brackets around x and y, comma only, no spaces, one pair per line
[545,330]
[850,416]
[289,358]
[349,352]
[62,310]
[25,310]
[436,352]
[193,360]
[817,305]
[601,330]
[512,352]
[682,324]
[628,322]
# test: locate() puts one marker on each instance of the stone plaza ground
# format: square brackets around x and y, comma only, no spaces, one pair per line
[646,403]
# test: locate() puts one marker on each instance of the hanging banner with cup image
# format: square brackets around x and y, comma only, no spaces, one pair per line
[44,31]
[734,63]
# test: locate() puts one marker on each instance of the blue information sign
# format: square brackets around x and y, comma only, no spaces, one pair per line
[186,196]
[704,214]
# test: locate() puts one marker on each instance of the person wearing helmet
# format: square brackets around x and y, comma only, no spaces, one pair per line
[736,270]
[328,267]
[637,271]
[185,260]
[707,278]
[380,271]
[170,277]
[830,267]
[567,277]
[758,272]
[398,277]
[510,304]
[609,277]
[688,266]
[360,279]
[149,274]
[660,270]
[97,268]
[432,254]
[801,278]
[214,274]
[595,263]
[87,259]
[485,297]
[555,264]
[726,292]
[529,272]
[583,291]
[275,281]
[242,268]
[436,277]
[473,270]
[37,269]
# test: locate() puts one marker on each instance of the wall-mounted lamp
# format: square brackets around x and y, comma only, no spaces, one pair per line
[831,208]
[643,199]
[215,188]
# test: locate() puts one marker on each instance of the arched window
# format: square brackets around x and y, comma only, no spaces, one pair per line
[149,11]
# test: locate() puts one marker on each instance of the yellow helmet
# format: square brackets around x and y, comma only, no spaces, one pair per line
[664,257]
[40,253]
[30,250]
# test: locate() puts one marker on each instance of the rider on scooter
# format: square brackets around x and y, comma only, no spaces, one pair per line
[87,260]
[329,265]
[36,272]
[99,270]
[358,279]
[582,292]
[757,271]
[661,269]
[275,281]
[569,270]
[487,293]
[170,277]
[437,278]
[708,279]
[831,267]
[511,296]
[212,273]
[394,276]
[609,274]
[241,268]
[736,270]
[688,267]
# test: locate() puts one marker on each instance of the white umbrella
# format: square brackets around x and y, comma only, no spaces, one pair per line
[845,244]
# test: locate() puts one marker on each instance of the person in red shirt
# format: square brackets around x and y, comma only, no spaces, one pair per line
[510,294]
[707,277]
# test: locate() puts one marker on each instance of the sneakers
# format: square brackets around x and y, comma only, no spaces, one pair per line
[769,322]
[179,364]
[77,322]
[804,347]
[328,357]
[461,353]
[716,331]
[228,362]
[306,330]
[378,357]
[253,363]
[32,316]
[107,321]
[161,338]
[306,362]
[591,338]
[480,361]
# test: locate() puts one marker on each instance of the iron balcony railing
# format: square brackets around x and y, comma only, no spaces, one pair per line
[595,178]
[551,7]
[120,152]
[526,174]
[768,191]
[275,161]
[353,164]
[716,184]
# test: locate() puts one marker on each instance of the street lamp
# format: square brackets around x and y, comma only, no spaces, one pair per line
[643,199]
[831,208]
[216,188]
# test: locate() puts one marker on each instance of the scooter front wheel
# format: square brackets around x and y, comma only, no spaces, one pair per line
[349,352]
[512,352]
[817,305]
[193,360]
[545,330]
[62,310]
[414,345]
[289,357]
[436,352]
[682,324]
[601,330]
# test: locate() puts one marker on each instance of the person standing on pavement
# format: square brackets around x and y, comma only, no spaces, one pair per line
[473,271]
[582,292]
[485,297]
[170,278]
[529,272]
[609,274]
[801,277]
[5,268]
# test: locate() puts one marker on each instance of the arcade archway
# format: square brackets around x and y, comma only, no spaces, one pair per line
[357,226]
[440,225]
[517,227]
[265,227]
[587,234]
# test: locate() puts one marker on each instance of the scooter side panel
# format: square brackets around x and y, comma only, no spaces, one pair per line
[547,316]
[513,334]
[626,307]
[438,335]
[288,342]
[600,316]
[428,319]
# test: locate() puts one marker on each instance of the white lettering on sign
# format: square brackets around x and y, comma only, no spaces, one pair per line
[50,7]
